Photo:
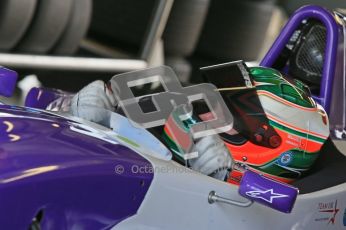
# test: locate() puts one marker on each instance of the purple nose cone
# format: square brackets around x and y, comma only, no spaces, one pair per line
[8,80]
[40,98]
[268,192]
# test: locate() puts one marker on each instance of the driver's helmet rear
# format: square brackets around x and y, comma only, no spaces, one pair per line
[278,128]
[301,126]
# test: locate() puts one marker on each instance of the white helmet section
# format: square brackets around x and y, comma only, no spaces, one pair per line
[312,121]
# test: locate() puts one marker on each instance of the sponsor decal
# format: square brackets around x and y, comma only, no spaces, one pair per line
[285,158]
[237,172]
[266,195]
[344,219]
[240,166]
[327,212]
[294,140]
[236,179]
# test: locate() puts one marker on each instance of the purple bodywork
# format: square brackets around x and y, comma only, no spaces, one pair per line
[46,165]
[40,98]
[8,81]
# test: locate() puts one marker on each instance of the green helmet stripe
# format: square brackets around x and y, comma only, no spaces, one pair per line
[296,132]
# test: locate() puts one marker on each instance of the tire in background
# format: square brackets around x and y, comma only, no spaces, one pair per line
[184,26]
[76,28]
[121,24]
[47,26]
[292,5]
[15,17]
[235,30]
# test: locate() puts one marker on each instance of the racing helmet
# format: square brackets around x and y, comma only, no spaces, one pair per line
[301,128]
[278,128]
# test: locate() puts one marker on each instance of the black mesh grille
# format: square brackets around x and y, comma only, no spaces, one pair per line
[310,56]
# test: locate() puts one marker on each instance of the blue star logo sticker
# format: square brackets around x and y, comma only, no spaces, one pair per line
[267,195]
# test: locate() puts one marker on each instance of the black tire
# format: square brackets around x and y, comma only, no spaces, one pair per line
[76,29]
[121,23]
[184,26]
[15,17]
[234,30]
[292,5]
[48,24]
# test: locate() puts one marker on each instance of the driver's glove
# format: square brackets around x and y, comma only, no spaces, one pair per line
[213,159]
